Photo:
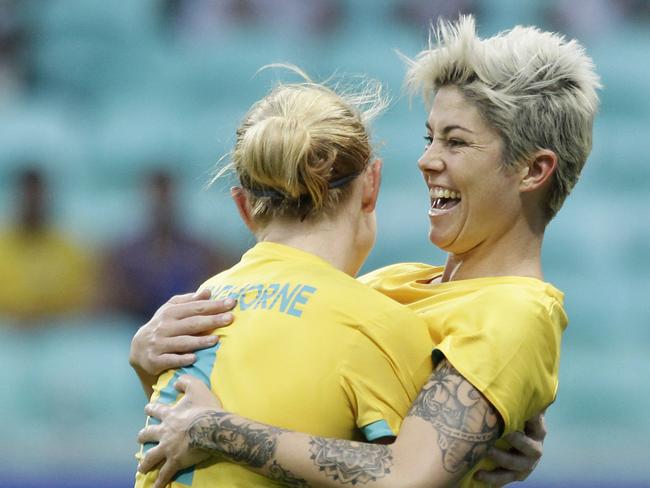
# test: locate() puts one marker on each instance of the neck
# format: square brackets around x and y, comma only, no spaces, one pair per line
[516,253]
[334,240]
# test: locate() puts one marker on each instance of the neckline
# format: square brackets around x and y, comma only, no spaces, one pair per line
[480,281]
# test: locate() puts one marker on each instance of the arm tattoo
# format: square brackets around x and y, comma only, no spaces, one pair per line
[241,443]
[286,477]
[467,424]
[238,442]
[350,462]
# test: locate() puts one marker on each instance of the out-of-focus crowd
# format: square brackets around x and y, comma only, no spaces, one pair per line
[210,20]
[45,272]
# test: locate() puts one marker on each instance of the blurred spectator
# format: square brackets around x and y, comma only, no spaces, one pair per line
[13,39]
[162,261]
[199,19]
[302,18]
[636,10]
[43,271]
[585,19]
[418,12]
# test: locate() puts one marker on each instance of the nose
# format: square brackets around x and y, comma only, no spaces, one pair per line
[431,160]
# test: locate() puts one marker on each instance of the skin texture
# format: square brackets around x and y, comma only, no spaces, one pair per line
[464,154]
[498,226]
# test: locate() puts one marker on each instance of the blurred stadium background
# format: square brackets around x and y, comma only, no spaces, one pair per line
[96,95]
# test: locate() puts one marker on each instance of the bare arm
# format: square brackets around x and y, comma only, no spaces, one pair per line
[450,426]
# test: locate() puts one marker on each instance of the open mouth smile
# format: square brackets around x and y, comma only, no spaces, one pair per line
[442,200]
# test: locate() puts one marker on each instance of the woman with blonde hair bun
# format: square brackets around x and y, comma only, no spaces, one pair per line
[508,132]
[313,349]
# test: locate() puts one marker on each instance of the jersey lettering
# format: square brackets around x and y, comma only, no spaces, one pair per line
[284,297]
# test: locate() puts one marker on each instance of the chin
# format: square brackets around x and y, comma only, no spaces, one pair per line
[442,242]
[436,239]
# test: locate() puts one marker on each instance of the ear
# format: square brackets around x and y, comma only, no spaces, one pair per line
[538,171]
[240,198]
[371,183]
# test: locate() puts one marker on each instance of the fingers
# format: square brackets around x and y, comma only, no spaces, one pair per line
[526,445]
[188,344]
[156,410]
[197,307]
[197,393]
[203,323]
[150,433]
[536,427]
[497,477]
[172,361]
[188,297]
[511,461]
[186,382]
[151,459]
[165,475]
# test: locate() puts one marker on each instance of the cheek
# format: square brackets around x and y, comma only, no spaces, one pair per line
[494,183]
[498,198]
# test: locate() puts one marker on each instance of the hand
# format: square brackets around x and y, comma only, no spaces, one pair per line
[517,463]
[177,329]
[173,451]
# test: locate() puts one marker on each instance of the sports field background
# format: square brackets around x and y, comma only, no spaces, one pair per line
[118,91]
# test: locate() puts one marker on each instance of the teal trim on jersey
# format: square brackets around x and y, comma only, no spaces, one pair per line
[377,430]
[201,369]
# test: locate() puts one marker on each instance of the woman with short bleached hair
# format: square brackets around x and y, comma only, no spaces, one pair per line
[508,132]
[532,87]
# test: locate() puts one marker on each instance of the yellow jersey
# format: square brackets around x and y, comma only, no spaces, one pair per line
[503,334]
[312,349]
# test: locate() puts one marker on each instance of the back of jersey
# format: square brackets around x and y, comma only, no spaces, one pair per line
[311,350]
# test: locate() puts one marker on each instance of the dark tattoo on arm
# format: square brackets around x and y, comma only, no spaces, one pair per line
[238,442]
[467,423]
[349,461]
[243,443]
[286,477]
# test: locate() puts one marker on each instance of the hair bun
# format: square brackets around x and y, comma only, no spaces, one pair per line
[296,140]
[280,156]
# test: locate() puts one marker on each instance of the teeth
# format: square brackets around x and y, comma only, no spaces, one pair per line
[439,192]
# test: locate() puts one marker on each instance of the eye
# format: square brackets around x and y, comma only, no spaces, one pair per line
[429,140]
[455,142]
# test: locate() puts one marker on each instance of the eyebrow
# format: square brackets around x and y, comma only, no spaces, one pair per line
[448,128]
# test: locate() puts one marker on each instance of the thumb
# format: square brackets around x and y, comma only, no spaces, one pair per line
[185,382]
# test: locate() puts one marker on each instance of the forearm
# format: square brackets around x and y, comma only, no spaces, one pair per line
[449,428]
[301,460]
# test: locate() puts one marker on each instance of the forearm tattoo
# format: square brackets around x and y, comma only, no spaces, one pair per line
[286,477]
[238,442]
[467,424]
[241,443]
[350,462]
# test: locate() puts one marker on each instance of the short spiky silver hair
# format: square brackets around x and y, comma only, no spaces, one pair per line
[535,88]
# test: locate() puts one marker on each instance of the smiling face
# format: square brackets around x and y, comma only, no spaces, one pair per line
[474,199]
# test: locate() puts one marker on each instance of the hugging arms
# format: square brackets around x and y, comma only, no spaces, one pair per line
[449,416]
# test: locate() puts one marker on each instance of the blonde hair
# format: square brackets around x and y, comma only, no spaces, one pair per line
[299,146]
[535,88]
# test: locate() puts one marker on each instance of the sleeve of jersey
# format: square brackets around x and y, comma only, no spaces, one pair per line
[507,345]
[383,371]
